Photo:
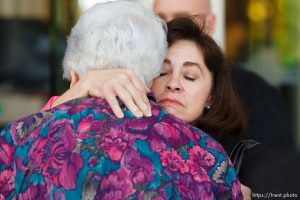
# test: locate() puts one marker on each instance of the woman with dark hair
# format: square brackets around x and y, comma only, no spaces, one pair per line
[223,114]
[212,106]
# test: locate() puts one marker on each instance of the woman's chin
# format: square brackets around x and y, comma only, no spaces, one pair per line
[172,110]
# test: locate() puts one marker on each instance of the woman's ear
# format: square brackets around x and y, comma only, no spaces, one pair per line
[210,23]
[74,78]
[208,102]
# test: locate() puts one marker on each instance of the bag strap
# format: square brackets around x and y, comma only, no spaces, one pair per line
[238,151]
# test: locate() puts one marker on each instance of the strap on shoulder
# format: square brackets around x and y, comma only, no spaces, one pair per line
[238,151]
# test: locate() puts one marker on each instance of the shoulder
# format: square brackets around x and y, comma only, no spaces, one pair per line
[29,126]
[200,155]
[23,128]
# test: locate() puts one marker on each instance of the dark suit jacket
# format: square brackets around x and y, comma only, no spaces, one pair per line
[267,165]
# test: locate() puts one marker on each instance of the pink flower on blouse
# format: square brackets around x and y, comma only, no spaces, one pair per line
[6,152]
[115,186]
[169,133]
[214,145]
[7,182]
[85,124]
[34,192]
[173,162]
[88,126]
[114,147]
[60,162]
[200,162]
[140,169]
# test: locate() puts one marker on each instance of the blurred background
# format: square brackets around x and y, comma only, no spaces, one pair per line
[263,35]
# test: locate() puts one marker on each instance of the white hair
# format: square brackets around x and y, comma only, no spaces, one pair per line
[118,34]
[147,3]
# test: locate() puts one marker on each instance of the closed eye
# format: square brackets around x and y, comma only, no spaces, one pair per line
[189,78]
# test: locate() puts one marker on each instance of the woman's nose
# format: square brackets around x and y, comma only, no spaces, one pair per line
[174,84]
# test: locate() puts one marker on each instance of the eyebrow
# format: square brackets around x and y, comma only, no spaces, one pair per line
[176,15]
[182,14]
[186,64]
[189,63]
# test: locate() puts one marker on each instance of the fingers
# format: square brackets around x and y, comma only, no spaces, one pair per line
[122,83]
[127,99]
[138,91]
[113,102]
[124,89]
[136,82]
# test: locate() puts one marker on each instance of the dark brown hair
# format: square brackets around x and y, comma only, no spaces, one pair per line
[226,115]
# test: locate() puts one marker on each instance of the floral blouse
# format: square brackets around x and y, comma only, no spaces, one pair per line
[80,150]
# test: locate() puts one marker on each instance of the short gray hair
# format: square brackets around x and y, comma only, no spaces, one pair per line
[119,34]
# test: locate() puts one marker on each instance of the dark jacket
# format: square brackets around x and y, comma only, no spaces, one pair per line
[266,165]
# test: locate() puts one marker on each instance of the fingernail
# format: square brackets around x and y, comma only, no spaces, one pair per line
[149,113]
[139,114]
[120,115]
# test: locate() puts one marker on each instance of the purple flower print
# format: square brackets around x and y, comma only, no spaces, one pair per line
[141,126]
[84,125]
[171,134]
[189,189]
[159,197]
[115,186]
[61,163]
[59,195]
[141,169]
[173,162]
[148,158]
[29,126]
[114,147]
[7,183]
[200,162]
[167,132]
[214,145]
[6,152]
[188,133]
[88,125]
[34,192]
[155,142]
[93,161]
[206,191]
[76,109]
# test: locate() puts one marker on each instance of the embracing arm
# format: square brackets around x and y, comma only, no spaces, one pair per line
[108,84]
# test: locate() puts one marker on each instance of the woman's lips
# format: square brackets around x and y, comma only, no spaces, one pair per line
[168,100]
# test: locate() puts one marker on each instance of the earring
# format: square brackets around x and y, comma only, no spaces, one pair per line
[207,107]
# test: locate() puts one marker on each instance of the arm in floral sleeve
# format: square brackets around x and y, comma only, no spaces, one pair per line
[7,172]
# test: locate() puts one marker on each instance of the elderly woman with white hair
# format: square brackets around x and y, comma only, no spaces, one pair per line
[81,150]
